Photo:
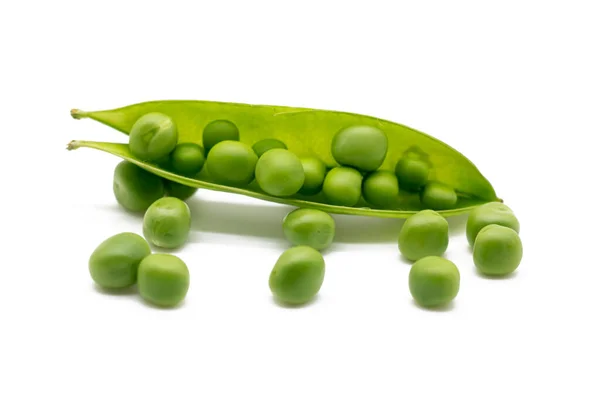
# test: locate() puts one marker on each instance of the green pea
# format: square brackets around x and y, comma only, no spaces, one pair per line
[433,281]
[163,279]
[279,172]
[262,146]
[167,223]
[412,173]
[231,163]
[487,214]
[342,186]
[314,175]
[187,159]
[423,234]
[309,227]
[114,263]
[135,188]
[497,250]
[438,196]
[297,275]
[361,147]
[153,136]
[380,189]
[218,131]
[182,192]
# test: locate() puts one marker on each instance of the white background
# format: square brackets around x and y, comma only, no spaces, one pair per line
[513,85]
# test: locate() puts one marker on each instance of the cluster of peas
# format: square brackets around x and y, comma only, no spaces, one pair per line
[163,279]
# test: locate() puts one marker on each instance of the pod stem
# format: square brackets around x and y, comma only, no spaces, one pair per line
[78,114]
[74,145]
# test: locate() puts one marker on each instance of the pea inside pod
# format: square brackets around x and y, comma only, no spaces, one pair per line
[153,136]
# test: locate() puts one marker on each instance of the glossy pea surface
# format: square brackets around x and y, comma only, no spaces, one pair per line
[153,136]
[167,223]
[412,173]
[380,189]
[314,175]
[218,131]
[438,196]
[433,281]
[135,188]
[114,263]
[231,163]
[187,159]
[342,186]
[309,227]
[423,234]
[297,275]
[264,145]
[163,279]
[279,172]
[363,147]
[497,250]
[487,214]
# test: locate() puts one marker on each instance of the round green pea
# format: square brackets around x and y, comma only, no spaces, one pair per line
[182,192]
[163,279]
[279,172]
[187,159]
[423,234]
[342,186]
[380,189]
[433,281]
[438,196]
[297,275]
[153,136]
[135,188]
[497,250]
[309,227]
[262,146]
[487,214]
[167,223]
[114,263]
[361,147]
[218,131]
[314,175]
[231,163]
[412,173]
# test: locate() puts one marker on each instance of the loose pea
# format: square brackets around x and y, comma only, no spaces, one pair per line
[114,263]
[423,234]
[167,223]
[187,158]
[314,175]
[497,250]
[182,192]
[309,227]
[380,189]
[342,186]
[231,163]
[279,172]
[412,173]
[487,214]
[362,147]
[218,131]
[262,146]
[163,279]
[135,188]
[433,281]
[438,196]
[297,275]
[153,136]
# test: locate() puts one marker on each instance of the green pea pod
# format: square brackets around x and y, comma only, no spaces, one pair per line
[307,133]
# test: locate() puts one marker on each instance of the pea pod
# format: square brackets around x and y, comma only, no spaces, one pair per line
[307,133]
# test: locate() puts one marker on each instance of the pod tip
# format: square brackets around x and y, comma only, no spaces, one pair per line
[78,114]
[73,145]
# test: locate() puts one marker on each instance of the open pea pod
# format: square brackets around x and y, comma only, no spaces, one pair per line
[306,132]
